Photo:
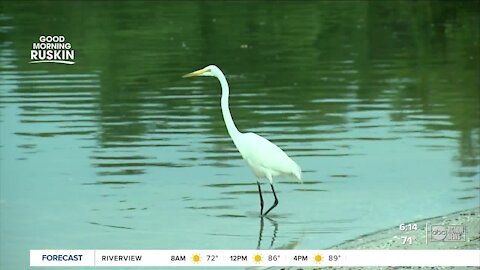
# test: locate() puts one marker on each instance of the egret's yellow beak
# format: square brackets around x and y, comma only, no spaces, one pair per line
[195,73]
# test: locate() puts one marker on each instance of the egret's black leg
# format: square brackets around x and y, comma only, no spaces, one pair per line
[261,198]
[274,203]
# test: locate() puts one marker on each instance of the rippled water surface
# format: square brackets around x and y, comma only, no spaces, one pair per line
[378,102]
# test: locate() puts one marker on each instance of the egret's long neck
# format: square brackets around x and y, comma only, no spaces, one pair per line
[227,117]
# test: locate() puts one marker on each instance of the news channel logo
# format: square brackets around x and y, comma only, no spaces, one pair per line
[447,233]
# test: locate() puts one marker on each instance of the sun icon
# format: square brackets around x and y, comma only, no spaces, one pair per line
[257,258]
[318,258]
[196,258]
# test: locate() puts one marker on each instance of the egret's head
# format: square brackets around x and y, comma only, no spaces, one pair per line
[210,70]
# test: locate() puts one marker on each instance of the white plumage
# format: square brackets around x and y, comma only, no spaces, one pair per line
[264,158]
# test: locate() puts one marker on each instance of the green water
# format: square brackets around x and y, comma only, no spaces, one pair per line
[378,102]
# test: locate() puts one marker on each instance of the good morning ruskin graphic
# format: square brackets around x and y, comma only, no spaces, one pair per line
[52,49]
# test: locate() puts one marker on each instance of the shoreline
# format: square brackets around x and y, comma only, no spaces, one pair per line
[391,238]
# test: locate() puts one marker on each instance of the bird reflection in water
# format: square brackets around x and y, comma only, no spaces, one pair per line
[274,224]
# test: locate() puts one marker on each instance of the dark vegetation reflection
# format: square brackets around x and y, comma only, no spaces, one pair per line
[305,75]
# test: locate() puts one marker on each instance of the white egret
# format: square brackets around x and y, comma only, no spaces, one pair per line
[264,158]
